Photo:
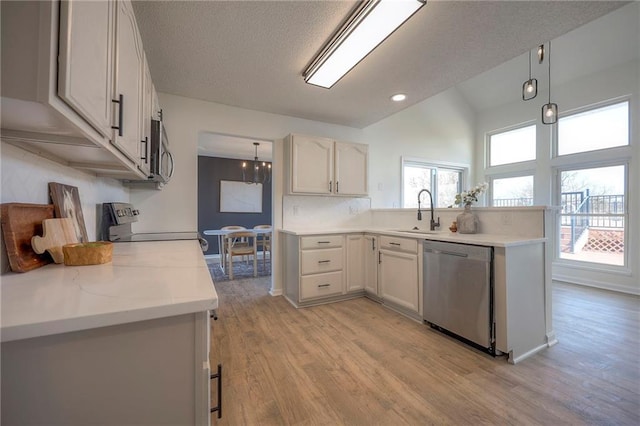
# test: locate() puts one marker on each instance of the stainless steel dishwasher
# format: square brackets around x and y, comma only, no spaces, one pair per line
[458,291]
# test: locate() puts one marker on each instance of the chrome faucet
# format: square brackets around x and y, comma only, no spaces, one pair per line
[432,224]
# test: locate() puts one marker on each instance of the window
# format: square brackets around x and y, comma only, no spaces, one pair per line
[443,181]
[512,191]
[593,217]
[513,146]
[600,128]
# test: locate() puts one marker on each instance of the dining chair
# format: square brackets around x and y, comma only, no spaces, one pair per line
[242,243]
[264,243]
[224,240]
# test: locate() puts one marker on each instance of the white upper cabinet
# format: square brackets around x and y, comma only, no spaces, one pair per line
[63,72]
[86,49]
[311,165]
[129,86]
[351,162]
[324,166]
[147,114]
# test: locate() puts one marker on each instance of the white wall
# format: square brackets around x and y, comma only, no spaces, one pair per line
[25,178]
[439,129]
[617,82]
[175,207]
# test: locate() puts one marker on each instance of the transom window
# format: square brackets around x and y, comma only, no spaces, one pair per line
[513,146]
[600,128]
[443,181]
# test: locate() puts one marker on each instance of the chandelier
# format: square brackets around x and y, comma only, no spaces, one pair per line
[261,172]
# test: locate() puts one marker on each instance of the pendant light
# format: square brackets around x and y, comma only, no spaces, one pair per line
[260,175]
[549,110]
[540,53]
[530,87]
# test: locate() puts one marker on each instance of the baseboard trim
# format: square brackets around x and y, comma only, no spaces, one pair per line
[596,284]
[517,359]
[276,292]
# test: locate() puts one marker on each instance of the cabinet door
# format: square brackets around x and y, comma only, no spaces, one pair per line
[355,262]
[399,279]
[85,63]
[129,83]
[351,167]
[371,264]
[147,107]
[311,165]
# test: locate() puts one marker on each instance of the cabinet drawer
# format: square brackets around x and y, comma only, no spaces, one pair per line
[320,241]
[321,285]
[408,245]
[315,261]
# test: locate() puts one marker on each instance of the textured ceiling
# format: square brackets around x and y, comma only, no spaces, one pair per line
[252,54]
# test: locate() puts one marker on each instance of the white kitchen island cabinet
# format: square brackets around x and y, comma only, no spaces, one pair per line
[322,166]
[126,342]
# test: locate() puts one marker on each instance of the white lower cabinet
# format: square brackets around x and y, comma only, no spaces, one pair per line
[399,278]
[370,265]
[355,262]
[322,268]
[145,372]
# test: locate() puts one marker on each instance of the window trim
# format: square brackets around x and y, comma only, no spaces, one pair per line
[461,167]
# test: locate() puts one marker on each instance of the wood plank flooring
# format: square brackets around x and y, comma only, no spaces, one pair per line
[358,363]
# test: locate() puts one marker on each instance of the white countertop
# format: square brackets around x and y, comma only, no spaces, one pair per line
[493,240]
[145,280]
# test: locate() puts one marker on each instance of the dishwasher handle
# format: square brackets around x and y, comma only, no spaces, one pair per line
[450,253]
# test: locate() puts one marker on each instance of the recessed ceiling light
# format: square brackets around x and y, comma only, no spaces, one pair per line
[399,97]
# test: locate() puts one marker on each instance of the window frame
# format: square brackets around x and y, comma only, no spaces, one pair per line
[463,169]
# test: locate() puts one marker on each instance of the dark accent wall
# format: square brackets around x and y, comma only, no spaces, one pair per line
[211,170]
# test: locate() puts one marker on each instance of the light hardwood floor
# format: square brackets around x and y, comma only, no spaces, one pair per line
[358,363]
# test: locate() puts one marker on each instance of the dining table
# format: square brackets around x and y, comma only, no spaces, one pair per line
[221,233]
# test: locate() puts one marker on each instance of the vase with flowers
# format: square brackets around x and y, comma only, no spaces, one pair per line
[467,222]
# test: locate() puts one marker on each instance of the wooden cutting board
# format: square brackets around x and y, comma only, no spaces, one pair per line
[20,222]
[55,234]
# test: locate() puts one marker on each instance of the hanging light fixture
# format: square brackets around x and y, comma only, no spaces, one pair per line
[260,175]
[540,53]
[549,110]
[530,87]
[368,26]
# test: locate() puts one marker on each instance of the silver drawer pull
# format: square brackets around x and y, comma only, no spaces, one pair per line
[324,285]
[395,244]
[324,261]
[324,242]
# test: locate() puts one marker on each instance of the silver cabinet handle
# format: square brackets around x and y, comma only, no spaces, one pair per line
[324,261]
[324,285]
[324,242]
[395,244]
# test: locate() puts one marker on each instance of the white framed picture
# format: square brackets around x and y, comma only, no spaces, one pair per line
[240,197]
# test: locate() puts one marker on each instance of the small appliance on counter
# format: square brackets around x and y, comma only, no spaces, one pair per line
[116,226]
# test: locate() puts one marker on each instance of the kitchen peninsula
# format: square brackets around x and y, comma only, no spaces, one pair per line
[132,334]
[386,265]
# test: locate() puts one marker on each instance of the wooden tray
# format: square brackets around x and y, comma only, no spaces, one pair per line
[20,222]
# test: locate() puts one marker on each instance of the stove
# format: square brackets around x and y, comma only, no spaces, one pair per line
[116,226]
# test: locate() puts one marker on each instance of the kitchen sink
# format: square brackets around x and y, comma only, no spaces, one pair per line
[415,231]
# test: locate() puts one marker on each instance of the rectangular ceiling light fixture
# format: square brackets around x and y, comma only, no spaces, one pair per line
[368,26]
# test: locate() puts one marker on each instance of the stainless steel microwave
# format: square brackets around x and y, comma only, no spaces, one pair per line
[162,165]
